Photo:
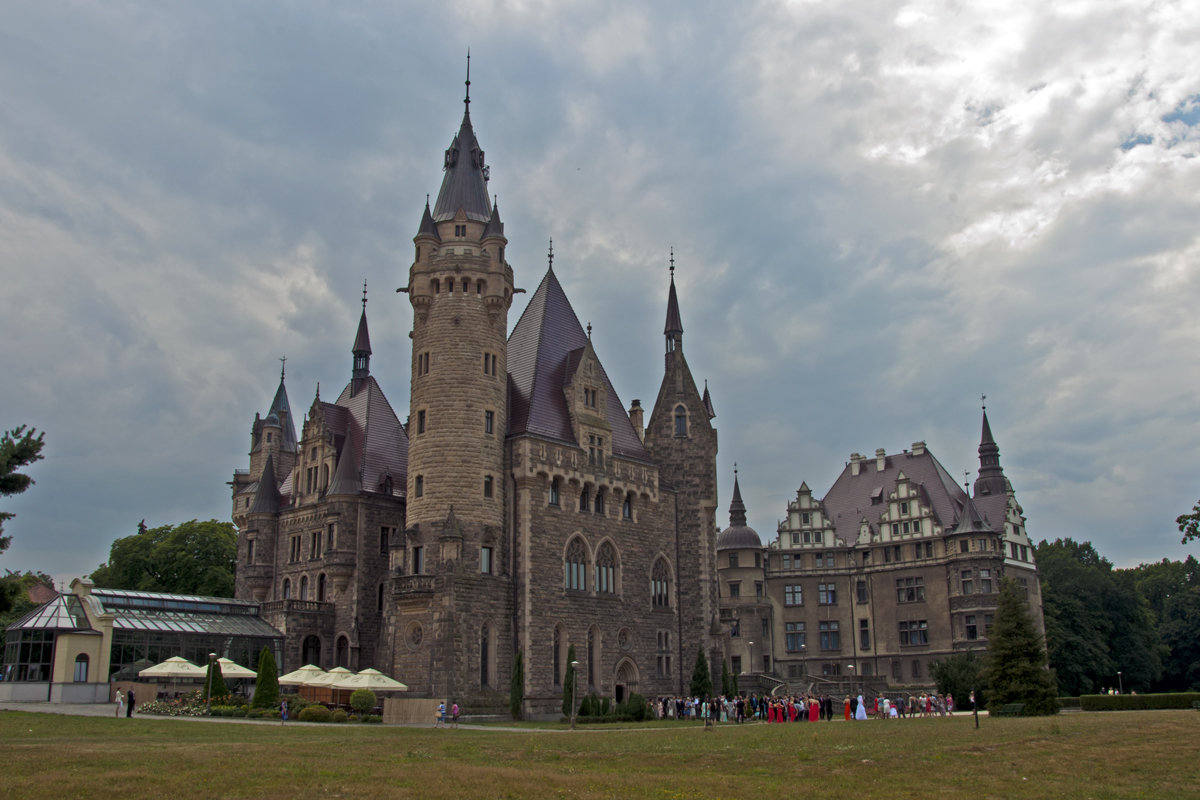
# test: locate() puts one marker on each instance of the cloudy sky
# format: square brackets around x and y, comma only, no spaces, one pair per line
[879,211]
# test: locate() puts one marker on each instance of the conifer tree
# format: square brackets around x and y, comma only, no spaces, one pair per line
[266,688]
[214,682]
[1016,660]
[701,685]
[18,448]
[569,682]
[516,686]
[726,679]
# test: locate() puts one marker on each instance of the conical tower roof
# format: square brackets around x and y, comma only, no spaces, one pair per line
[465,183]
[739,535]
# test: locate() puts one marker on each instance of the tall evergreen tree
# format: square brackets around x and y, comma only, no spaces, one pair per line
[516,686]
[18,448]
[701,685]
[726,679]
[266,687]
[1016,662]
[214,682]
[569,682]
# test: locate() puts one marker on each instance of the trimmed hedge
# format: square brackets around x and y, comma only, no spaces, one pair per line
[315,714]
[1137,702]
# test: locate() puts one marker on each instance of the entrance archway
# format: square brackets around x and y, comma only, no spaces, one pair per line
[626,680]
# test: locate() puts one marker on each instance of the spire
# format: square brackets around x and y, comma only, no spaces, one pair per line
[464,185]
[361,349]
[267,499]
[991,480]
[280,413]
[737,509]
[428,228]
[707,399]
[494,227]
[674,327]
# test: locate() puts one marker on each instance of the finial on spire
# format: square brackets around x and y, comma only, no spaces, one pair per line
[967,480]
[589,331]
[672,263]
[983,401]
[317,399]
[467,101]
[735,469]
[550,255]
[364,294]
[282,367]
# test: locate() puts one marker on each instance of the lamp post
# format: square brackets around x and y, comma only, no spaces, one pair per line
[1120,684]
[851,668]
[574,683]
[208,693]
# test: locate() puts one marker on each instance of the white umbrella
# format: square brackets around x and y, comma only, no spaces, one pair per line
[327,679]
[173,668]
[371,679]
[298,677]
[232,669]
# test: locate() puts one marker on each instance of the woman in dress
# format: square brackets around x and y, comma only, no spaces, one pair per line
[120,702]
[861,713]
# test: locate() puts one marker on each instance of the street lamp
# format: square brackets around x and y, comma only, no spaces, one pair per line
[1120,684]
[851,668]
[208,694]
[574,682]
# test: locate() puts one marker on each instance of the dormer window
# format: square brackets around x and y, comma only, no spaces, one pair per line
[596,451]
[460,231]
[589,398]
[681,425]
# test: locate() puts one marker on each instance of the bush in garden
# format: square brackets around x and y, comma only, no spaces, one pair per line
[338,716]
[362,701]
[315,714]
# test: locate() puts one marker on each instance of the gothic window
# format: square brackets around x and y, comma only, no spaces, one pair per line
[321,587]
[303,587]
[554,492]
[599,506]
[343,652]
[606,569]
[487,486]
[627,506]
[660,585]
[575,566]
[681,426]
[584,500]
[287,588]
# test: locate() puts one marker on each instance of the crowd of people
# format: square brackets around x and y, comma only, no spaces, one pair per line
[802,708]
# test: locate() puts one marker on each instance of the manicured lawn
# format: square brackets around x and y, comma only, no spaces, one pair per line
[1153,754]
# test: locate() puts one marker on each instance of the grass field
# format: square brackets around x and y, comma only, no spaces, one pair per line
[1151,754]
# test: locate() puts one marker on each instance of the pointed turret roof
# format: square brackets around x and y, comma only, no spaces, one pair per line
[708,405]
[738,535]
[428,226]
[362,341]
[674,326]
[539,357]
[991,480]
[465,182]
[970,520]
[280,415]
[267,498]
[494,227]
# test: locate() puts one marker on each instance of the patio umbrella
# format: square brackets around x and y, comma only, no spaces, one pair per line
[173,668]
[371,679]
[298,677]
[324,683]
[231,669]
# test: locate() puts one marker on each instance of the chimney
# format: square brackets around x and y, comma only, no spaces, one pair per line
[856,461]
[918,448]
[635,417]
[880,460]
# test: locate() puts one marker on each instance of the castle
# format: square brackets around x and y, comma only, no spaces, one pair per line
[522,509]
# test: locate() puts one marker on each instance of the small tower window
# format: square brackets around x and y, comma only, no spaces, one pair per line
[554,492]
[487,486]
[681,425]
[466,285]
[421,421]
[627,507]
[489,422]
[460,231]
[419,486]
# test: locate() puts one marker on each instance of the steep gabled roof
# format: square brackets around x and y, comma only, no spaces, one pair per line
[378,445]
[540,353]
[851,498]
[267,499]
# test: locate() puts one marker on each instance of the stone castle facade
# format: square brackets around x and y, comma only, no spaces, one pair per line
[520,509]
[895,568]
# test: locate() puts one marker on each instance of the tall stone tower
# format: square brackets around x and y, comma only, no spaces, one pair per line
[460,288]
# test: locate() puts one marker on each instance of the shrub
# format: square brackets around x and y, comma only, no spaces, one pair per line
[315,714]
[372,719]
[339,715]
[362,701]
[1137,702]
[633,707]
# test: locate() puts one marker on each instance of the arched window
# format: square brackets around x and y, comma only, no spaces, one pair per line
[606,569]
[81,668]
[311,651]
[321,587]
[584,500]
[660,585]
[287,588]
[554,492]
[575,566]
[600,501]
[681,426]
[627,507]
[304,587]
[437,285]
[343,652]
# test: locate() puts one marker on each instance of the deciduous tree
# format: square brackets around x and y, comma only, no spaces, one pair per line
[190,558]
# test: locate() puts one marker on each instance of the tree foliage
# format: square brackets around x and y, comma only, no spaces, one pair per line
[702,684]
[1189,524]
[516,685]
[18,448]
[363,700]
[1172,591]
[1016,667]
[568,682]
[214,682]
[190,558]
[14,597]
[1097,622]
[959,675]
[266,686]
